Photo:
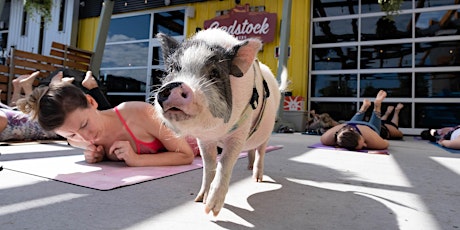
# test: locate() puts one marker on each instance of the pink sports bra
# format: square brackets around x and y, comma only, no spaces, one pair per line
[141,146]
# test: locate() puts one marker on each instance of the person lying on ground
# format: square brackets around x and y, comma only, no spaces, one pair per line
[130,132]
[448,137]
[357,134]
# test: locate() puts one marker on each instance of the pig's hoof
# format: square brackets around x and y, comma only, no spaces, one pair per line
[199,197]
[258,176]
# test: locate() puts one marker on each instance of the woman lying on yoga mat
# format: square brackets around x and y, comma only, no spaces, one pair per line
[448,137]
[356,133]
[17,126]
[130,132]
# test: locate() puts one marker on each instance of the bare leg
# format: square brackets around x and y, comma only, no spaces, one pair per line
[16,91]
[388,112]
[378,101]
[366,104]
[395,118]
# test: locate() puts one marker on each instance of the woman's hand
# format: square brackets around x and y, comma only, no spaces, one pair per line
[94,154]
[124,151]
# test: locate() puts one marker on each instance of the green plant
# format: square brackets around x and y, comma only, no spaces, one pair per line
[40,7]
[390,7]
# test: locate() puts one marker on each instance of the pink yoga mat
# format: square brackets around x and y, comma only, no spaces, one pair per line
[73,169]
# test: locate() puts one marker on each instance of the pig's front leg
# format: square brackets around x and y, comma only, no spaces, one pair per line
[209,155]
[219,186]
[258,165]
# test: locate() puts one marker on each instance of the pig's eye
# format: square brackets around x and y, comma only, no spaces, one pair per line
[214,73]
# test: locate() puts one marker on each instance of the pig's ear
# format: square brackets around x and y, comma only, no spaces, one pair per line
[244,55]
[168,45]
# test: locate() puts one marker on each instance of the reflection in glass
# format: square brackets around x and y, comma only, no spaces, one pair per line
[343,85]
[395,84]
[380,28]
[437,23]
[169,22]
[129,28]
[125,80]
[334,58]
[328,8]
[437,54]
[335,31]
[440,84]
[386,56]
[157,56]
[433,3]
[372,6]
[125,55]
[429,115]
[337,110]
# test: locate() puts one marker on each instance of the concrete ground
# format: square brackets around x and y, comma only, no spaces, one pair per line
[417,186]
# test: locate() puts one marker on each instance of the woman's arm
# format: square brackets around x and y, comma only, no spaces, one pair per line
[372,138]
[328,138]
[452,144]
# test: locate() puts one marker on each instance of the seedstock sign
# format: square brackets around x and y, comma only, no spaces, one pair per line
[243,24]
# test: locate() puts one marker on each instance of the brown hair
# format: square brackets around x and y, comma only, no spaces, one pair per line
[347,137]
[49,105]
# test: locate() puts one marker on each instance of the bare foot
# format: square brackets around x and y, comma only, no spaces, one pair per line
[389,109]
[380,96]
[28,81]
[399,106]
[365,105]
[89,82]
[57,78]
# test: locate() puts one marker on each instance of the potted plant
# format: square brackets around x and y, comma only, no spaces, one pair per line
[390,7]
[40,7]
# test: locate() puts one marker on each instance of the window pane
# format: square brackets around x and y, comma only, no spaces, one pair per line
[443,84]
[436,116]
[335,31]
[334,58]
[337,110]
[125,55]
[437,23]
[433,3]
[126,80]
[433,54]
[334,85]
[372,6]
[328,8]
[157,75]
[170,23]
[386,56]
[129,28]
[380,28]
[395,84]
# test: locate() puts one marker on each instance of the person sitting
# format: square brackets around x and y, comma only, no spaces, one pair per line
[357,134]
[130,132]
[448,137]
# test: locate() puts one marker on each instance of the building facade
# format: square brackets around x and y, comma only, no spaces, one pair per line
[340,51]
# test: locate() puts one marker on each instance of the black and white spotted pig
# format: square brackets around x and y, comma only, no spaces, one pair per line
[217,91]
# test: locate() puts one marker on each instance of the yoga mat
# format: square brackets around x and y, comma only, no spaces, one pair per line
[447,149]
[373,151]
[104,176]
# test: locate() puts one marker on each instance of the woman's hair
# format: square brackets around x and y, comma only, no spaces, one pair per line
[50,105]
[347,137]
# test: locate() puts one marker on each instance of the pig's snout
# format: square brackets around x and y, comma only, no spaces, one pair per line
[174,95]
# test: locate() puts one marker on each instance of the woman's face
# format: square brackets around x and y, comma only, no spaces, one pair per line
[82,125]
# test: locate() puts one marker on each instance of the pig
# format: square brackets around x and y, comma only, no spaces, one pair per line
[215,90]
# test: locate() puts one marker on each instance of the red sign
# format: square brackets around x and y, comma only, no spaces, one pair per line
[243,24]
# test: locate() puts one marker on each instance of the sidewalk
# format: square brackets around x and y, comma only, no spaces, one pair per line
[417,186]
